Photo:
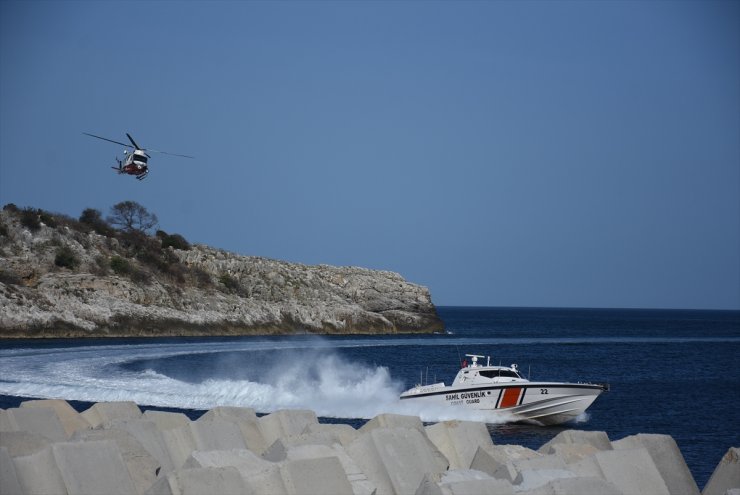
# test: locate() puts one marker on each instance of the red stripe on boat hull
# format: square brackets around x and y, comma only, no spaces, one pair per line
[511,397]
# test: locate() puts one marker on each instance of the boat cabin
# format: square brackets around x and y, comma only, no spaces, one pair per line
[477,374]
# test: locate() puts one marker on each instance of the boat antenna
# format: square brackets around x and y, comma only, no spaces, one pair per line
[529,371]
[459,359]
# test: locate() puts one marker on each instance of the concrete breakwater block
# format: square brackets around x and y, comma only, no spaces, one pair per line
[532,479]
[470,481]
[288,450]
[667,457]
[92,467]
[393,421]
[38,472]
[459,440]
[572,452]
[575,486]
[279,450]
[496,460]
[726,475]
[323,475]
[245,420]
[525,469]
[632,471]
[224,481]
[9,484]
[20,443]
[260,477]
[395,460]
[536,471]
[226,451]
[597,439]
[39,420]
[217,434]
[387,420]
[71,420]
[247,462]
[150,438]
[232,414]
[103,413]
[343,434]
[179,443]
[142,466]
[201,435]
[166,420]
[284,423]
[309,469]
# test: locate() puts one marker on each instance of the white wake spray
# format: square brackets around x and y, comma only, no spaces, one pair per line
[316,378]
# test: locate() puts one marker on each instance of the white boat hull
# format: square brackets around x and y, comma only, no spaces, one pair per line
[543,403]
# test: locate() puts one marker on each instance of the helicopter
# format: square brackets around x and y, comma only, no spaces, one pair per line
[134,162]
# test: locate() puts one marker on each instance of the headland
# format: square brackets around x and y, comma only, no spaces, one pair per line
[64,277]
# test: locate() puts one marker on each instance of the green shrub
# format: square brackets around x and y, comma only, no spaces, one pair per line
[11,207]
[30,219]
[120,266]
[101,265]
[63,221]
[153,259]
[66,258]
[3,230]
[175,241]
[229,282]
[47,218]
[137,242]
[94,219]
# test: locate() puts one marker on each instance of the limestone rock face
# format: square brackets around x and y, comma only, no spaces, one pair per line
[200,291]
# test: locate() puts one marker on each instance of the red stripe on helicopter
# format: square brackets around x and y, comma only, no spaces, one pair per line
[511,397]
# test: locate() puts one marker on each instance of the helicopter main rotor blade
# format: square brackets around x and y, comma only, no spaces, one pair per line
[133,142]
[166,153]
[110,140]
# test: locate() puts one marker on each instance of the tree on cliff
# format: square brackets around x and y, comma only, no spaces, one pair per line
[130,216]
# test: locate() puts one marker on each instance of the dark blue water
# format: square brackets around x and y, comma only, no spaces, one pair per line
[671,372]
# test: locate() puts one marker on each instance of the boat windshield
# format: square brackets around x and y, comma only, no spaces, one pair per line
[497,373]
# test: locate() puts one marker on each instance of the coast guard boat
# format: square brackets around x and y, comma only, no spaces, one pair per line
[505,392]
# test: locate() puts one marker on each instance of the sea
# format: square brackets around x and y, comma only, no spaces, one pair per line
[673,372]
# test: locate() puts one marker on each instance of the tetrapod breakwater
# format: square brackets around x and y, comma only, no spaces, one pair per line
[46,446]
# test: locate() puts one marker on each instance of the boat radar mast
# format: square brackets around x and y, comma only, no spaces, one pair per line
[474,358]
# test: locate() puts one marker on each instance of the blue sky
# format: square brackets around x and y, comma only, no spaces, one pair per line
[501,153]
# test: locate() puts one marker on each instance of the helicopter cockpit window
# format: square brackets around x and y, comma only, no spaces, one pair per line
[140,158]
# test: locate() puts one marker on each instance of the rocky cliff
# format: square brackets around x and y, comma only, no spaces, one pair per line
[60,277]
